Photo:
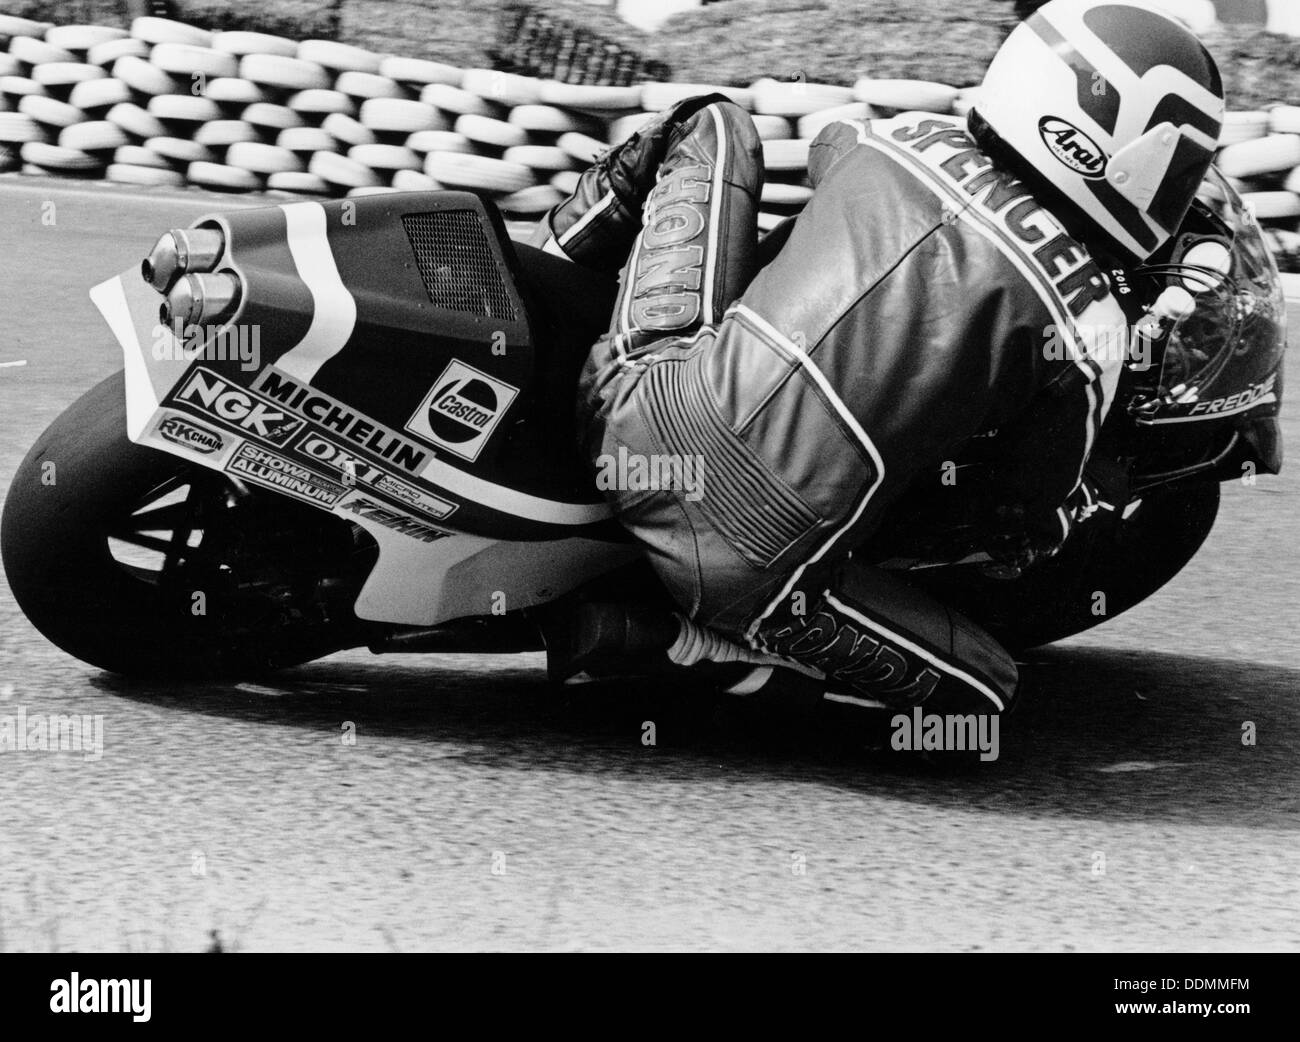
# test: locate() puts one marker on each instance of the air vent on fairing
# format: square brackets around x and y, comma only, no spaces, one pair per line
[457,263]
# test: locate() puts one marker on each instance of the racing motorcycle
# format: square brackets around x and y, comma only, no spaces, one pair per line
[349,424]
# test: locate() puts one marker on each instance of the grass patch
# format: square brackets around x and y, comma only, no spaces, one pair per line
[835,41]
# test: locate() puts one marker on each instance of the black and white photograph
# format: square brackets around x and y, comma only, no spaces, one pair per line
[608,476]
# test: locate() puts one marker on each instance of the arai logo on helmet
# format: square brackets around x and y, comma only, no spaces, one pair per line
[1072,147]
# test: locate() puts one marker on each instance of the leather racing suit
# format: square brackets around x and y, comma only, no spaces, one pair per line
[923,299]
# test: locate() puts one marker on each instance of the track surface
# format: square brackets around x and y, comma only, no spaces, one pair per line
[236,815]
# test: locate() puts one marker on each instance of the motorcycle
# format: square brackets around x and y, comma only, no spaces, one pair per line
[349,424]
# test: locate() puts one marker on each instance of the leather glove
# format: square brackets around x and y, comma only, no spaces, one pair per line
[598,223]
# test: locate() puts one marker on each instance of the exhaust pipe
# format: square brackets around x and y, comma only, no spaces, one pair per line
[180,251]
[200,300]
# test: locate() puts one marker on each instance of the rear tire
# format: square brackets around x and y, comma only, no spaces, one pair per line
[83,481]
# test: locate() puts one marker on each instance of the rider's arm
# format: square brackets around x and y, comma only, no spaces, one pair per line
[596,225]
[832,143]
[1041,475]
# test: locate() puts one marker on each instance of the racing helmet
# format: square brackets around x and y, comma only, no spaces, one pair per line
[1112,111]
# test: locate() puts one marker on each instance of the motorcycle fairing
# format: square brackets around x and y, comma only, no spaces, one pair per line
[405,309]
[290,421]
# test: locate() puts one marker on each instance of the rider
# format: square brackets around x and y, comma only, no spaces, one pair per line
[946,282]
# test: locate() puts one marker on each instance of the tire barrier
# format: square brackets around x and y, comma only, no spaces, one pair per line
[168,104]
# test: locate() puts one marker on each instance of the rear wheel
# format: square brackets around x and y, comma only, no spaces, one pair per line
[141,563]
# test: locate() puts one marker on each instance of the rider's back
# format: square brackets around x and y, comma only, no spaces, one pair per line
[919,264]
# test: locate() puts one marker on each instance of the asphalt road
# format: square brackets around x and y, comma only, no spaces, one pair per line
[479,809]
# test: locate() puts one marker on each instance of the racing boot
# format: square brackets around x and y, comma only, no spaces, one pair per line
[606,639]
[883,644]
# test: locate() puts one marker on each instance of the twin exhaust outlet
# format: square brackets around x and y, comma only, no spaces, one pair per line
[180,267]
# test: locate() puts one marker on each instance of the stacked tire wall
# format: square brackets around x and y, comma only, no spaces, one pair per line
[168,104]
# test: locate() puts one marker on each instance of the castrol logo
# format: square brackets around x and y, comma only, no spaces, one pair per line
[462,409]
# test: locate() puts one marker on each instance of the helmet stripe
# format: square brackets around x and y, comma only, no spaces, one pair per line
[1181,112]
[1142,40]
[1102,107]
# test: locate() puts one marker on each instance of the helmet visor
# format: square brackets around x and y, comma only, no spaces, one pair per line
[1225,351]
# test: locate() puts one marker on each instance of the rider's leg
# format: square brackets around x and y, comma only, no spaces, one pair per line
[667,382]
[678,206]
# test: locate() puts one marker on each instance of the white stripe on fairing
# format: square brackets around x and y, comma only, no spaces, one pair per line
[916,649]
[334,311]
[141,401]
[601,206]
[715,215]
[512,501]
[849,419]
